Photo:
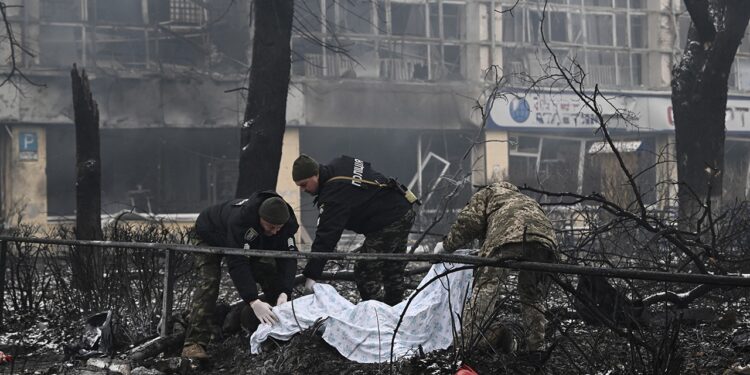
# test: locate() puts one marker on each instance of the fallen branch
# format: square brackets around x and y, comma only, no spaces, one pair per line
[156,346]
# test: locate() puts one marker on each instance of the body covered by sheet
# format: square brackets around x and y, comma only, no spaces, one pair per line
[363,332]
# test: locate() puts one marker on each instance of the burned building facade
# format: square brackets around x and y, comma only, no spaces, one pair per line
[394,82]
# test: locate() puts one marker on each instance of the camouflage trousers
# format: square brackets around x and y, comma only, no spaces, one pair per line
[490,292]
[203,307]
[384,280]
[208,268]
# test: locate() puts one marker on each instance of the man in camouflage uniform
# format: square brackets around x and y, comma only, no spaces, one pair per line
[512,225]
[262,221]
[351,195]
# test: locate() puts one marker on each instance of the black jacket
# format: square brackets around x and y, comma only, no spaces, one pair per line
[236,222]
[351,204]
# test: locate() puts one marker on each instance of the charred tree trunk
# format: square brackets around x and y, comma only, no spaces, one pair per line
[88,160]
[699,99]
[262,132]
[85,260]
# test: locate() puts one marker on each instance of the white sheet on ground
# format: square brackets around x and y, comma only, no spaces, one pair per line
[363,332]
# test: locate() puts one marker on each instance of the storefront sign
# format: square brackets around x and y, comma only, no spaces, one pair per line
[553,110]
[737,117]
[28,146]
[568,111]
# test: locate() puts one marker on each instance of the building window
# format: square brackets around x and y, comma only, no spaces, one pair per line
[736,184]
[390,40]
[408,19]
[117,11]
[452,15]
[60,10]
[603,174]
[545,162]
[583,166]
[599,29]
[603,36]
[356,17]
[186,12]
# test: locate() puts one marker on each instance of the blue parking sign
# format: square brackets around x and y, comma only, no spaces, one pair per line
[28,146]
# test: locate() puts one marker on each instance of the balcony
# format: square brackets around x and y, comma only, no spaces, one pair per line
[340,66]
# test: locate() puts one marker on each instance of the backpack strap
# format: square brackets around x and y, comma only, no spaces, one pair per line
[393,184]
[347,178]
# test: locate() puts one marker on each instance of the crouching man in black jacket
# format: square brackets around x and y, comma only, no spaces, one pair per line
[351,195]
[262,221]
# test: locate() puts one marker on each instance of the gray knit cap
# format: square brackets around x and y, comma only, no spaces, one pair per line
[304,167]
[274,210]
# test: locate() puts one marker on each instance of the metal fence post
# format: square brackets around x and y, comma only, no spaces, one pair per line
[3,255]
[167,299]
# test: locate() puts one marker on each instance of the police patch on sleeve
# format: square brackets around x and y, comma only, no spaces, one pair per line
[251,235]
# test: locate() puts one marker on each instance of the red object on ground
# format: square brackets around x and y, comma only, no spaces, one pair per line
[466,370]
[5,358]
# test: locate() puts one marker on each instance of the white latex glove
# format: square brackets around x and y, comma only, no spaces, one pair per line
[309,285]
[282,299]
[438,248]
[263,311]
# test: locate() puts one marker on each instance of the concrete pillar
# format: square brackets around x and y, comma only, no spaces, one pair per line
[666,172]
[25,179]
[662,24]
[496,154]
[285,185]
[471,58]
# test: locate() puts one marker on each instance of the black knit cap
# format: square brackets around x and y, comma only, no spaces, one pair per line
[304,167]
[274,210]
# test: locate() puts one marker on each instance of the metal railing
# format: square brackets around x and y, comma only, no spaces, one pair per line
[169,250]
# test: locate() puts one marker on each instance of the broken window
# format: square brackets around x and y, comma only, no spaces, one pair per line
[403,60]
[559,164]
[121,47]
[452,63]
[603,174]
[608,29]
[554,164]
[601,67]
[638,31]
[362,63]
[356,17]
[60,10]
[599,28]
[168,170]
[742,66]
[598,3]
[307,16]
[512,25]
[408,19]
[185,12]
[452,15]
[736,184]
[544,162]
[307,58]
[116,11]
[558,26]
[739,77]
[408,56]
[59,45]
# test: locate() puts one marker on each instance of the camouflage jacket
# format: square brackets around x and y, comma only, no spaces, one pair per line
[500,214]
